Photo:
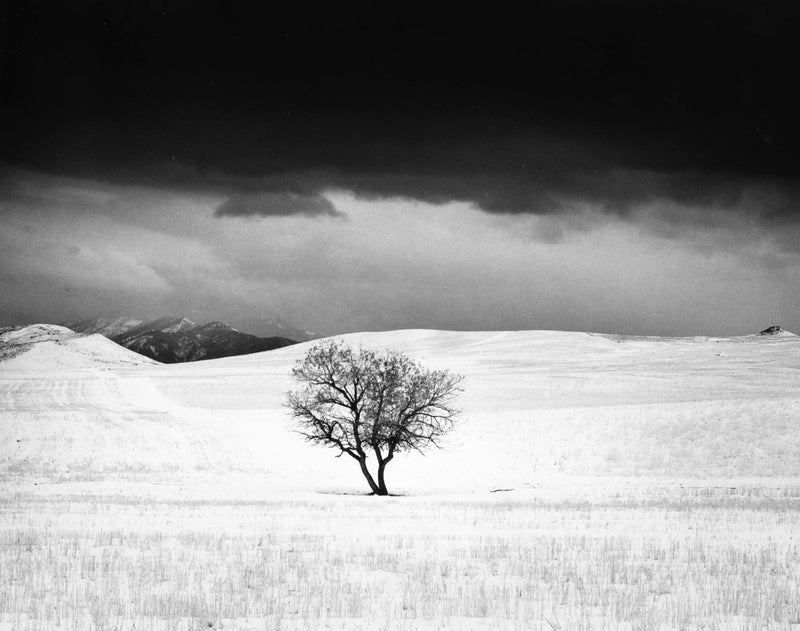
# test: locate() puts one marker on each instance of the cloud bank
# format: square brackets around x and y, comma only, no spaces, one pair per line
[624,166]
[72,248]
[277,205]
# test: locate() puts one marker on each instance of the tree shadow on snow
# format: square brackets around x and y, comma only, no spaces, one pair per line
[360,494]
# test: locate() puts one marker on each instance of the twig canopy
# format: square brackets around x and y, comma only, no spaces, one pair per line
[362,401]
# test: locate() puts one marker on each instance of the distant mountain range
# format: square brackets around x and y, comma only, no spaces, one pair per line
[108,327]
[175,339]
[113,326]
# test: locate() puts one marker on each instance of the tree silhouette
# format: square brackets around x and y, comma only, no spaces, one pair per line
[365,403]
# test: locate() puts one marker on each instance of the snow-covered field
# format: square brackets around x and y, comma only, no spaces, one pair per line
[593,481]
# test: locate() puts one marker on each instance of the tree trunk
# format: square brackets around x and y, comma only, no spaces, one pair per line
[375,488]
[381,480]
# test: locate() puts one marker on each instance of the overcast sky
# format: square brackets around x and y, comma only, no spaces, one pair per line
[604,166]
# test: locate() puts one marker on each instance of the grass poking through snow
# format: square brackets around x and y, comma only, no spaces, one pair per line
[400,563]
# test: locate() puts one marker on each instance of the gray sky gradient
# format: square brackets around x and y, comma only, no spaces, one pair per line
[73,247]
[618,166]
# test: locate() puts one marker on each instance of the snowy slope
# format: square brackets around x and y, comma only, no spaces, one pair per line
[43,347]
[538,405]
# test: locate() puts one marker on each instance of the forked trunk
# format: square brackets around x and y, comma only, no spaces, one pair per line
[370,480]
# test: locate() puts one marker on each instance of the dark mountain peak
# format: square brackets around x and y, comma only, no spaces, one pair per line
[108,326]
[177,339]
[772,330]
[216,325]
[177,324]
[168,324]
[172,339]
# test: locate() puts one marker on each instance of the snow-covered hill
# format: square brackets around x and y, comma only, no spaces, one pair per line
[538,406]
[44,347]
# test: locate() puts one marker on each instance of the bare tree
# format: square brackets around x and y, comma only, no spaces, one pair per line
[363,403]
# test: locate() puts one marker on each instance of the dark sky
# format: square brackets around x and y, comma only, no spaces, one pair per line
[618,166]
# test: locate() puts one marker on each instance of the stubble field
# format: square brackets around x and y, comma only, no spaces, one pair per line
[710,562]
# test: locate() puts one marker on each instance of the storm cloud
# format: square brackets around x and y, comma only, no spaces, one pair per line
[616,103]
[392,264]
[473,169]
[277,205]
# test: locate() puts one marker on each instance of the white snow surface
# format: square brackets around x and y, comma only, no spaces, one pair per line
[43,347]
[35,333]
[541,409]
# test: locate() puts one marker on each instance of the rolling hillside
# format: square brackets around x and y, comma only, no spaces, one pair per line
[539,407]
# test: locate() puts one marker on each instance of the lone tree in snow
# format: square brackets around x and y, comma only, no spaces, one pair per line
[364,403]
